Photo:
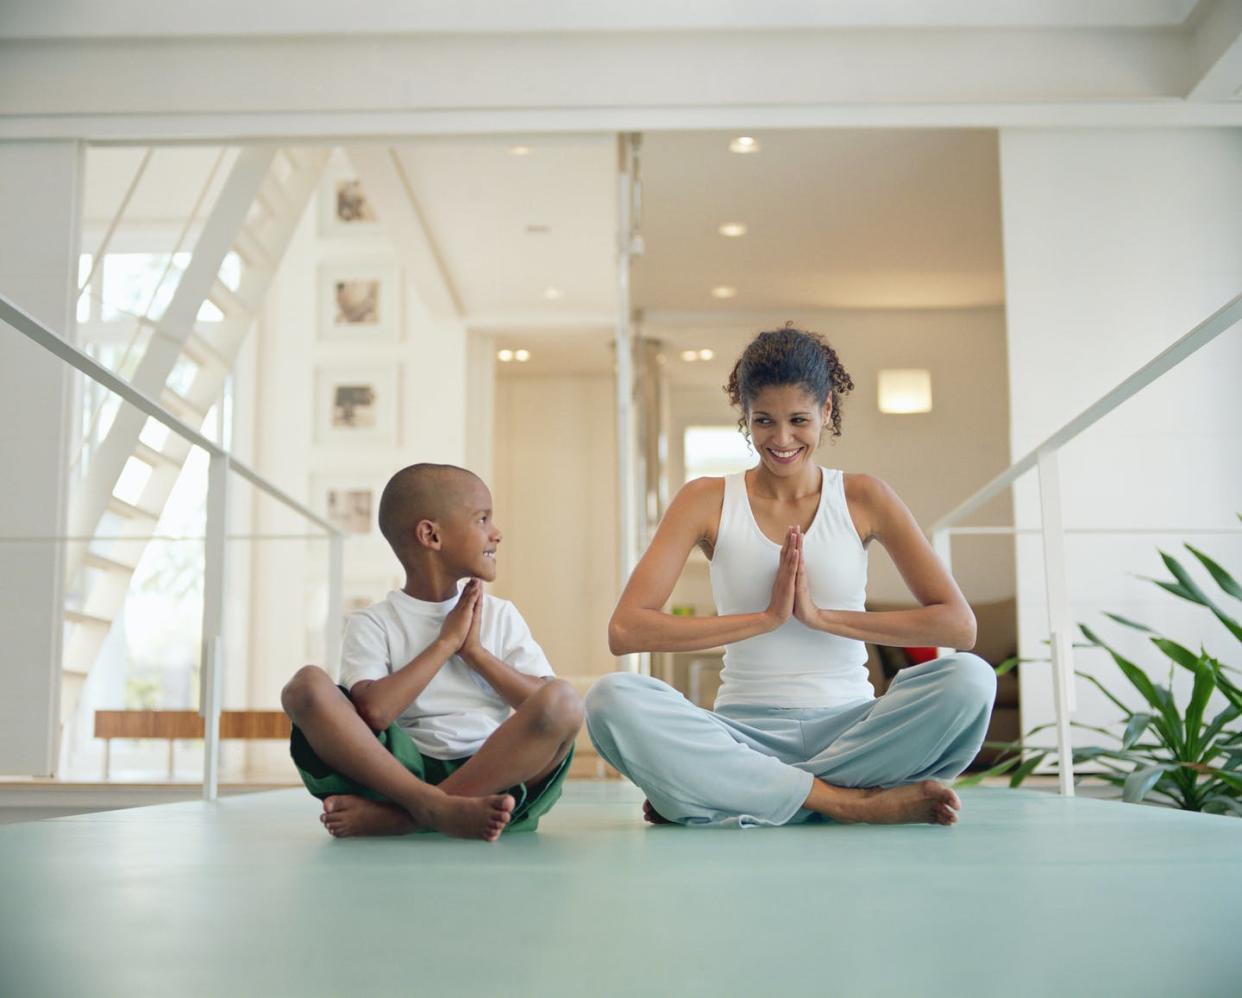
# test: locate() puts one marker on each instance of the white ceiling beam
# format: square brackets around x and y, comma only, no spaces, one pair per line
[389,188]
[399,126]
[249,77]
[1216,53]
[146,19]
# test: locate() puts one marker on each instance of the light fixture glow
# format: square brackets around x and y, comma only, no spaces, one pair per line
[521,356]
[732,230]
[504,356]
[519,150]
[744,144]
[706,354]
[553,294]
[724,291]
[905,390]
[690,355]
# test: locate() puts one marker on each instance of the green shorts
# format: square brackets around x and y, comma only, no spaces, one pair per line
[530,803]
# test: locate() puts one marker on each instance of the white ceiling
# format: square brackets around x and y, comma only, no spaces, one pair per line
[479,201]
[840,218]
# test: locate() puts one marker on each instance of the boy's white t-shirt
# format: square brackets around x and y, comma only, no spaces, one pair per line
[458,709]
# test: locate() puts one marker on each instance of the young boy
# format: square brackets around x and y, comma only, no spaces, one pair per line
[419,734]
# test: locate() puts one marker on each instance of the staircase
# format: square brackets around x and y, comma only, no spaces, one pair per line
[185,367]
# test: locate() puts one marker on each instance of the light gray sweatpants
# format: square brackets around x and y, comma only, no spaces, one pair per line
[754,765]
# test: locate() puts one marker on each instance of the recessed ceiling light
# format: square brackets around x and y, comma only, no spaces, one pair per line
[521,356]
[732,229]
[504,356]
[553,294]
[744,144]
[706,354]
[690,355]
[520,150]
[724,291]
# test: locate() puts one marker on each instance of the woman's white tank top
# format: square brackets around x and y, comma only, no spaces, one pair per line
[794,665]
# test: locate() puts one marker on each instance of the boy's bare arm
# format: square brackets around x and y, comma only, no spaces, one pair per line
[513,686]
[380,701]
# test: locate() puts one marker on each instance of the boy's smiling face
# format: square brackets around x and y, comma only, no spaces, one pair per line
[468,535]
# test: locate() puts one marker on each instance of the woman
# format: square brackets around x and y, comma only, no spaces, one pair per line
[797,731]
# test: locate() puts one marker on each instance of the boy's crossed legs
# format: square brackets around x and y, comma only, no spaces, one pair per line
[527,748]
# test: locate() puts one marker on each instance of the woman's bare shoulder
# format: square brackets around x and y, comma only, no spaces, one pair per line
[698,500]
[867,489]
[870,500]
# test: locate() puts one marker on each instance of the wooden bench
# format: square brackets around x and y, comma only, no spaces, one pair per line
[247,725]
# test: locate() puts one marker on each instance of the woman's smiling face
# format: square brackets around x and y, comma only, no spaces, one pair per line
[786,422]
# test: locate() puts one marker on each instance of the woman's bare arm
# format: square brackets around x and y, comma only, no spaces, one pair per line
[639,622]
[944,619]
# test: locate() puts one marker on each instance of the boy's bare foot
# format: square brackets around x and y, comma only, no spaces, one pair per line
[653,816]
[927,802]
[470,817]
[345,815]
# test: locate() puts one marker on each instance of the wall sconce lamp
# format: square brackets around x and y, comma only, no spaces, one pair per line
[905,390]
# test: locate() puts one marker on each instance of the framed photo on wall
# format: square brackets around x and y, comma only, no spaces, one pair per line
[357,405]
[359,303]
[349,504]
[344,208]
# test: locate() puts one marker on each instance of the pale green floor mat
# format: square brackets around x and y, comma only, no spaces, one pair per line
[1030,894]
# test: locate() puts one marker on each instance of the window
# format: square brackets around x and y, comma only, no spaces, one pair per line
[715,450]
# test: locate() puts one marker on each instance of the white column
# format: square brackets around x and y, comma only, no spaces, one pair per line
[40,206]
[626,510]
[215,571]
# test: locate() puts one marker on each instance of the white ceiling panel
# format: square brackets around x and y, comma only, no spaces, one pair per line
[508,227]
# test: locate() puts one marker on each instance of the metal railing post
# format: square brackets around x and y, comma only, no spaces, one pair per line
[336,603]
[1055,580]
[214,574]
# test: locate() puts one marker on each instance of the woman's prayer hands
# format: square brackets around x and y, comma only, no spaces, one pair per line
[804,607]
[784,589]
[791,592]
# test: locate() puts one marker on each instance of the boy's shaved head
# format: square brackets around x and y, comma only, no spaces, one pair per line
[422,492]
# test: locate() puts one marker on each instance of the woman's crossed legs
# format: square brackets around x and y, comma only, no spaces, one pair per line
[877,761]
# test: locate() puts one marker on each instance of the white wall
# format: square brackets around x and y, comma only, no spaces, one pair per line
[39,204]
[1116,244]
[555,489]
[430,358]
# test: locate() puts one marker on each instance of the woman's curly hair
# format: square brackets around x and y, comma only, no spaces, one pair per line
[789,356]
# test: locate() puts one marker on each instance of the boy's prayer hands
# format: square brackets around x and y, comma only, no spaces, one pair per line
[455,630]
[471,646]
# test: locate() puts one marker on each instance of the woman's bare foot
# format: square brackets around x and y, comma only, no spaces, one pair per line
[927,802]
[469,817]
[653,816]
[345,815]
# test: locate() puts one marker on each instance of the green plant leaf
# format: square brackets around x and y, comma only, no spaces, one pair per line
[1184,580]
[1127,622]
[1125,711]
[1141,782]
[1156,696]
[1007,666]
[1171,587]
[1134,729]
[1221,577]
[1025,770]
[1201,692]
[1180,654]
[1223,804]
[1217,724]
